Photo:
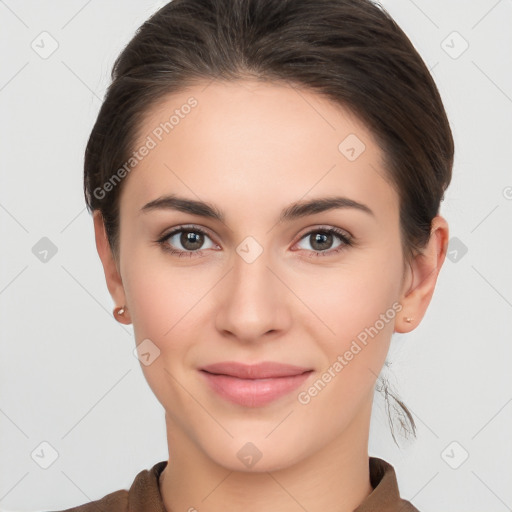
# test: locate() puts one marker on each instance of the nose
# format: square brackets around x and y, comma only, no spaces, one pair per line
[253,301]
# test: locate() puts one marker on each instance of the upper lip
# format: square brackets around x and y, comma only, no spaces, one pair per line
[264,370]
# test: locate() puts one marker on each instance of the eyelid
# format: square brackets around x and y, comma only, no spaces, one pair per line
[308,230]
[184,227]
[325,227]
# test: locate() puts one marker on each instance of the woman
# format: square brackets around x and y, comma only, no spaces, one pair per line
[265,179]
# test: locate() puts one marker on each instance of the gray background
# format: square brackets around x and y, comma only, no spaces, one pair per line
[68,376]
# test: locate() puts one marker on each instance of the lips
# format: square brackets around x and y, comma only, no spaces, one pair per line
[265,370]
[254,385]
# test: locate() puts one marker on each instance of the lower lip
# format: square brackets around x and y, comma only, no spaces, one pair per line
[253,392]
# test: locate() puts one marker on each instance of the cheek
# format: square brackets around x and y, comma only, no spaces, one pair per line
[358,305]
[153,307]
[158,294]
[162,313]
[354,296]
[167,306]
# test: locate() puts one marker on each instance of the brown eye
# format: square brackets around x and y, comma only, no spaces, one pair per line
[321,241]
[186,241]
[191,240]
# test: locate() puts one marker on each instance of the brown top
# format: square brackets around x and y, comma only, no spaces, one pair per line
[144,493]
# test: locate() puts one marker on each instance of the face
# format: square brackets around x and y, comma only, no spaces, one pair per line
[320,290]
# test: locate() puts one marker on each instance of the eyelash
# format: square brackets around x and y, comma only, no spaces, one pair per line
[347,241]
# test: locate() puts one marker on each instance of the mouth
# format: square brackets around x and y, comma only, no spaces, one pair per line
[254,385]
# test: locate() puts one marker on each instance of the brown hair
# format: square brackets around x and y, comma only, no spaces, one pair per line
[350,51]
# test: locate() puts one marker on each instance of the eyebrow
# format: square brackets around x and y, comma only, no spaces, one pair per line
[291,212]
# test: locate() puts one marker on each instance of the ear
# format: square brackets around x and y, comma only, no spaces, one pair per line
[421,277]
[112,274]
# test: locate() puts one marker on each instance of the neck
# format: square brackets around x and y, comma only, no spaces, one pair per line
[333,479]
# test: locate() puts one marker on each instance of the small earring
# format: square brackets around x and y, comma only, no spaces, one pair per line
[408,319]
[119,311]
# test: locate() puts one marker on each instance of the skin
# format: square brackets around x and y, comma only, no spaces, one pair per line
[251,149]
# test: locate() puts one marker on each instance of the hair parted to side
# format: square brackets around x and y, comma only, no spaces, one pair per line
[350,51]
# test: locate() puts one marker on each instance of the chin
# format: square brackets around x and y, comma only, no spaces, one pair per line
[241,454]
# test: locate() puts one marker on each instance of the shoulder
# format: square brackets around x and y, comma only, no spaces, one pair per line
[144,490]
[114,502]
[385,496]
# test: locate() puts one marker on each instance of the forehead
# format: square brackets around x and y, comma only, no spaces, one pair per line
[245,142]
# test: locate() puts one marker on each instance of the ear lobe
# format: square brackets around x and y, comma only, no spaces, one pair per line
[112,274]
[424,270]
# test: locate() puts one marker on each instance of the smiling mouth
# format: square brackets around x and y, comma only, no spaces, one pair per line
[254,392]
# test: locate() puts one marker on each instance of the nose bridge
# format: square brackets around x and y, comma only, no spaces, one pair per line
[250,267]
[250,276]
[252,303]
